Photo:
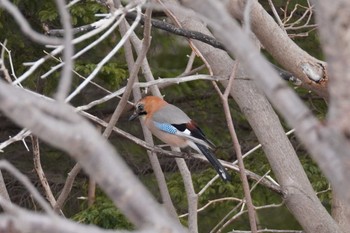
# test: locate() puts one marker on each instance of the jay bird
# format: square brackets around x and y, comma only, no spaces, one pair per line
[171,125]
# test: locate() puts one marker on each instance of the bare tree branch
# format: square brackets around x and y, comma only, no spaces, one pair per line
[96,25]
[29,186]
[295,112]
[237,148]
[192,197]
[103,24]
[186,176]
[106,58]
[299,194]
[3,190]
[58,125]
[335,38]
[3,70]
[66,75]
[91,192]
[39,170]
[170,28]
[25,27]
[311,71]
[160,177]
[271,185]
[23,221]
[67,187]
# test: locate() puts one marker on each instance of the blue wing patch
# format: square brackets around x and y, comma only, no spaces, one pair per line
[166,127]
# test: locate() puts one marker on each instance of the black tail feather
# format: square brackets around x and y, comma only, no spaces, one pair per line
[214,162]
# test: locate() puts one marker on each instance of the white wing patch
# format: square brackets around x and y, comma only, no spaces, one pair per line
[187,132]
[187,135]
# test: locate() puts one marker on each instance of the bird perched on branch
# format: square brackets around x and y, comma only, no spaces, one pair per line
[171,125]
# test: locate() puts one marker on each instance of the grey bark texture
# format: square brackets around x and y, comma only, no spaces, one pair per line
[299,196]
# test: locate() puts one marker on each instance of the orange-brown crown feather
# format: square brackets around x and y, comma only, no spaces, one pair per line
[152,103]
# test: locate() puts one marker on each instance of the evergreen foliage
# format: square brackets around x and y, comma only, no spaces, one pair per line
[103,214]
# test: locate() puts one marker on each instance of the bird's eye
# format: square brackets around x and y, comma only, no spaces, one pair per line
[140,107]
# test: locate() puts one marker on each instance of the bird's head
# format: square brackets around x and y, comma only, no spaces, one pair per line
[147,105]
[139,110]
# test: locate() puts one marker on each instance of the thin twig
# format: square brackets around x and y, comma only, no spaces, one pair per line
[91,192]
[40,172]
[128,88]
[146,70]
[3,70]
[324,191]
[3,190]
[67,187]
[275,14]
[25,26]
[90,46]
[292,26]
[237,147]
[192,197]
[189,63]
[210,202]
[18,137]
[105,59]
[29,186]
[76,73]
[240,213]
[34,65]
[217,227]
[10,61]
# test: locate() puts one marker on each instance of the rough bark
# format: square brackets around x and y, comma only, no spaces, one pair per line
[299,195]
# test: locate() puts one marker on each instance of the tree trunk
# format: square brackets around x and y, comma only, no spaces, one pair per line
[311,71]
[299,196]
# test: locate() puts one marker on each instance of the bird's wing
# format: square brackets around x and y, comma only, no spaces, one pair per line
[180,131]
[170,114]
[173,120]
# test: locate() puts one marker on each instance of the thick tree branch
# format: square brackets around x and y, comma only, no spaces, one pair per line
[58,125]
[27,222]
[327,152]
[190,34]
[334,27]
[300,197]
[312,72]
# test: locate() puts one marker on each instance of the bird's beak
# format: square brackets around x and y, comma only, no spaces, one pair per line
[134,115]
